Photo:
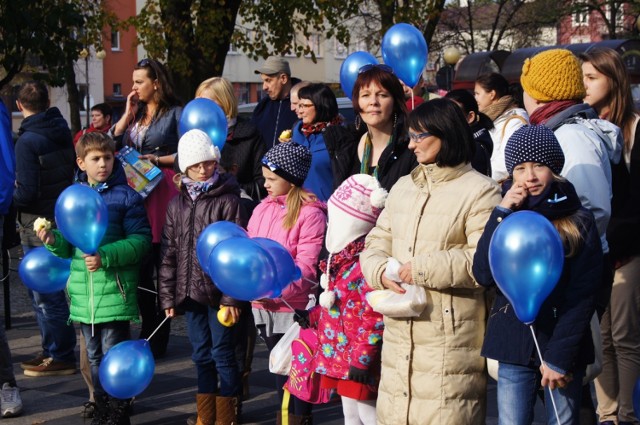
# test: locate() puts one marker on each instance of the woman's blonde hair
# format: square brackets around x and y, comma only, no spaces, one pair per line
[296,198]
[220,90]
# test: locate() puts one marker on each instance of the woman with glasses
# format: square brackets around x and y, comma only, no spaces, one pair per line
[379,104]
[150,125]
[432,372]
[322,130]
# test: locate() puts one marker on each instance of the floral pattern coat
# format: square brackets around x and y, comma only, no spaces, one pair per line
[349,332]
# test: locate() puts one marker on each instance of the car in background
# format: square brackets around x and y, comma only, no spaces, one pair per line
[345,107]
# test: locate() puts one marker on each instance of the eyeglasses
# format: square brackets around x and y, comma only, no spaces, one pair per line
[417,138]
[305,105]
[380,66]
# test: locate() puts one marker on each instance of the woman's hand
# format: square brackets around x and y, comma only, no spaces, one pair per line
[390,284]
[514,197]
[553,379]
[405,272]
[170,312]
[130,111]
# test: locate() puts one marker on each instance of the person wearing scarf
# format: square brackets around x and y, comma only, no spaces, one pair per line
[492,94]
[534,159]
[321,130]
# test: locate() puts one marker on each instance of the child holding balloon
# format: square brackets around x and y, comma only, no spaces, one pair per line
[534,160]
[296,219]
[206,196]
[103,284]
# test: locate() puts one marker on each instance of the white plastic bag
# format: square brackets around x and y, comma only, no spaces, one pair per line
[391,304]
[280,356]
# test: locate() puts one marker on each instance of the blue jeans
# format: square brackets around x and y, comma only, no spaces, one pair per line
[105,336]
[517,392]
[213,351]
[52,314]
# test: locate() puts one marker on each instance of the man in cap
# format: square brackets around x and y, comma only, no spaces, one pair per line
[273,113]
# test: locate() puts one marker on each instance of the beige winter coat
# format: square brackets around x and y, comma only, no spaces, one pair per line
[432,372]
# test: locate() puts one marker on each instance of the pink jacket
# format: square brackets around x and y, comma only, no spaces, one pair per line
[349,332]
[304,242]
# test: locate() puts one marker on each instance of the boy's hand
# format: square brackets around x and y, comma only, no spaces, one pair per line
[46,236]
[93,262]
[170,312]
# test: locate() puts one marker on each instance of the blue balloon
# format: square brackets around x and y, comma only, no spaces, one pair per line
[526,259]
[636,399]
[82,217]
[204,114]
[43,272]
[405,50]
[350,69]
[286,269]
[212,235]
[127,369]
[242,269]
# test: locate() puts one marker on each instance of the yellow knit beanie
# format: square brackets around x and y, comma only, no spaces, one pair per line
[553,75]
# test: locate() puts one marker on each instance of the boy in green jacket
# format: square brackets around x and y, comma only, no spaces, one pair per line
[103,286]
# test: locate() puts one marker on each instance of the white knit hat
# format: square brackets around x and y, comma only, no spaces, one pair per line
[195,147]
[353,210]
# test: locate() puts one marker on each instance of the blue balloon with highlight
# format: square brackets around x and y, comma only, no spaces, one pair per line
[211,236]
[405,50]
[82,217]
[350,69]
[127,369]
[43,272]
[286,269]
[526,257]
[204,114]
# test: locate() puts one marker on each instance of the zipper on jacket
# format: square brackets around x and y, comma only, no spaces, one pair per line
[121,288]
[192,215]
[555,313]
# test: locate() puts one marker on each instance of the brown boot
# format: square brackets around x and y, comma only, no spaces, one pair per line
[226,410]
[206,406]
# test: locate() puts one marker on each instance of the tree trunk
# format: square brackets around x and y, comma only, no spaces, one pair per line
[73,96]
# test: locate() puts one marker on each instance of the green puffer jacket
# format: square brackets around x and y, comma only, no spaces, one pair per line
[109,294]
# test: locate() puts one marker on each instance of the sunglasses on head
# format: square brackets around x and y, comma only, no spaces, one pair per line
[144,62]
[380,66]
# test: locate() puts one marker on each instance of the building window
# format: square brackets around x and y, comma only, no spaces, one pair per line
[233,50]
[580,16]
[115,40]
[117,89]
[341,51]
[313,43]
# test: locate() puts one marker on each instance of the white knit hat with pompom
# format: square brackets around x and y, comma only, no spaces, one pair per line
[353,210]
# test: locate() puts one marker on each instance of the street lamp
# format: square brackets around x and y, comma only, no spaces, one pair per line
[451,58]
[85,54]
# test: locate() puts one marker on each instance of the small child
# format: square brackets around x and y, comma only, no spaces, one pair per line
[205,197]
[349,331]
[295,218]
[104,300]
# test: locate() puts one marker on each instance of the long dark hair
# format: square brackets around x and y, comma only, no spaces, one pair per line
[469,104]
[385,79]
[494,81]
[323,100]
[165,96]
[444,119]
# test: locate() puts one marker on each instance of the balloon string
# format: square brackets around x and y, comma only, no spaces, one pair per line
[553,401]
[159,326]
[310,281]
[287,304]
[148,290]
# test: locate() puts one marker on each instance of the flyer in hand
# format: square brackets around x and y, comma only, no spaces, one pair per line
[141,174]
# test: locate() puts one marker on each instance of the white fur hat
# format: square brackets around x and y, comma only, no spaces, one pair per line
[195,147]
[353,210]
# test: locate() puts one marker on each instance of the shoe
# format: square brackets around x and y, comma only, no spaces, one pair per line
[10,401]
[50,367]
[89,409]
[33,362]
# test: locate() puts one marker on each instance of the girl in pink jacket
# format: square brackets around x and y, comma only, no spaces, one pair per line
[349,331]
[296,219]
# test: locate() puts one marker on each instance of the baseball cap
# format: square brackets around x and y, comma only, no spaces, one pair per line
[274,65]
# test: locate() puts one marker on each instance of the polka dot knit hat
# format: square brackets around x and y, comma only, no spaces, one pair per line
[290,161]
[553,74]
[533,143]
[195,147]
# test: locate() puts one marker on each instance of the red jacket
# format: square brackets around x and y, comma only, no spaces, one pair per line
[91,129]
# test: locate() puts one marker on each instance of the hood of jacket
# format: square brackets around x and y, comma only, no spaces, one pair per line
[50,124]
[585,115]
[226,184]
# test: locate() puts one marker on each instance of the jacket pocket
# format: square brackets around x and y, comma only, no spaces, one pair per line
[123,294]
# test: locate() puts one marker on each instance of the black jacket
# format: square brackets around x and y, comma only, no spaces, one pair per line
[272,117]
[160,139]
[484,148]
[45,162]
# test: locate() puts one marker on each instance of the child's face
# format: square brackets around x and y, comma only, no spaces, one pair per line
[275,185]
[97,164]
[533,176]
[202,171]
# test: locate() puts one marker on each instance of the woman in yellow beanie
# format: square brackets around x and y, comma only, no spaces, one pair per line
[609,93]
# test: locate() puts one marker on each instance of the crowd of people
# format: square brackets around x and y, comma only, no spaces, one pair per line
[407,197]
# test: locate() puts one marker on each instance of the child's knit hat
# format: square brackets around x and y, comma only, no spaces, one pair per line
[353,210]
[534,143]
[195,147]
[290,161]
[553,74]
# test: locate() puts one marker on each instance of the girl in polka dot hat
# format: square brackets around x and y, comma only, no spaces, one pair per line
[534,160]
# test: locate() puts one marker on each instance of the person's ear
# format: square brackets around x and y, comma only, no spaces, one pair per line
[472,117]
[493,95]
[19,105]
[81,164]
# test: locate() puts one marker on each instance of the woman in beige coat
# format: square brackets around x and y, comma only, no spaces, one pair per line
[432,372]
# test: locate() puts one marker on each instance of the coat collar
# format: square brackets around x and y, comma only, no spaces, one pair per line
[433,174]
